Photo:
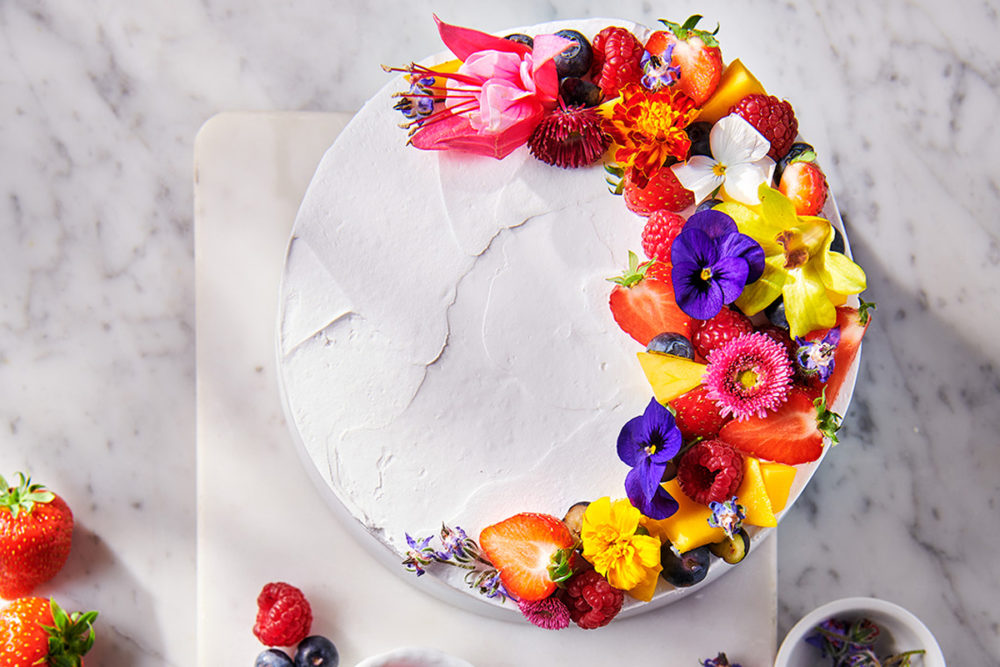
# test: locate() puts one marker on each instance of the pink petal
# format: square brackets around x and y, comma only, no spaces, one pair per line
[463,42]
[455,133]
[546,48]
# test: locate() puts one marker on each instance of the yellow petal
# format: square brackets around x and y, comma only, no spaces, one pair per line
[806,305]
[776,208]
[841,275]
[752,224]
[759,294]
[644,589]
[624,517]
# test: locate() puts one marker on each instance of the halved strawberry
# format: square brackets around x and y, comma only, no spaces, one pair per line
[853,323]
[662,191]
[522,548]
[695,52]
[696,415]
[643,304]
[793,434]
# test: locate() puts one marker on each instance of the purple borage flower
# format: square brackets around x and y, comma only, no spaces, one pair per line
[816,358]
[712,263]
[647,443]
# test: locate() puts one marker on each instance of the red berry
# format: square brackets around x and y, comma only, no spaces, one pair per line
[283,615]
[805,185]
[773,118]
[697,415]
[617,54]
[663,191]
[711,471]
[591,600]
[522,547]
[658,235]
[722,328]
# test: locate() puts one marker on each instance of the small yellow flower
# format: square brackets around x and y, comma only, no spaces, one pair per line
[798,262]
[627,560]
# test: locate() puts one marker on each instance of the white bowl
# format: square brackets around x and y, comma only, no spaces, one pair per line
[411,656]
[901,631]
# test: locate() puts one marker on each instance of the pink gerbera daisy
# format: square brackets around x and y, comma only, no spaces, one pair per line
[549,613]
[749,376]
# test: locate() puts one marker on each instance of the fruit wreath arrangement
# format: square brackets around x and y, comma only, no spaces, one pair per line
[742,301]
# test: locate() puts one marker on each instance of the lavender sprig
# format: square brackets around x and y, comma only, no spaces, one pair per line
[458,550]
[853,645]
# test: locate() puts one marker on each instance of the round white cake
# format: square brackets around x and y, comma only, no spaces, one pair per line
[445,346]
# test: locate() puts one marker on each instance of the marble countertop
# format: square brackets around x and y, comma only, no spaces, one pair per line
[102,101]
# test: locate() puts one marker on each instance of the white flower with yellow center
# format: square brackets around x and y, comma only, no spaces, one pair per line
[740,163]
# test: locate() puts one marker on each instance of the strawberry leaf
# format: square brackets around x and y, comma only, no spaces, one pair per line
[827,422]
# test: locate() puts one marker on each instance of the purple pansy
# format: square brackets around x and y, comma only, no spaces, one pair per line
[817,357]
[712,263]
[647,443]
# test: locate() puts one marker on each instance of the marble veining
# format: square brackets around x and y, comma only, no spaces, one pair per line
[101,101]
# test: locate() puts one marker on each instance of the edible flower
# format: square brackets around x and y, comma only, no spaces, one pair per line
[853,644]
[712,263]
[728,516]
[625,558]
[817,357]
[496,98]
[738,167]
[798,265]
[457,550]
[647,443]
[718,661]
[657,70]
[549,613]
[749,376]
[647,127]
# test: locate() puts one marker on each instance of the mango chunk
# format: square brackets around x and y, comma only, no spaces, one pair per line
[778,479]
[670,376]
[753,495]
[688,528]
[736,83]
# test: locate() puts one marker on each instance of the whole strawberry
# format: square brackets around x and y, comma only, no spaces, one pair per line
[36,631]
[36,530]
[773,118]
[695,52]
[696,415]
[662,191]
[616,60]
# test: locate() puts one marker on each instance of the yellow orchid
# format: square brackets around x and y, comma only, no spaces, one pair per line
[799,264]
[628,561]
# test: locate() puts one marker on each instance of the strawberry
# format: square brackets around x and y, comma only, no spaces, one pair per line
[803,182]
[727,325]
[522,548]
[695,52]
[616,60]
[658,235]
[36,529]
[773,118]
[696,415]
[662,191]
[853,323]
[642,302]
[791,435]
[36,631]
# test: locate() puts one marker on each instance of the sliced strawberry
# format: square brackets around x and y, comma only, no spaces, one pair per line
[853,323]
[695,52]
[643,304]
[793,434]
[696,415]
[662,191]
[522,548]
[803,182]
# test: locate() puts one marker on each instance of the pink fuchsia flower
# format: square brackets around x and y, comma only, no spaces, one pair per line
[495,99]
[550,613]
[749,376]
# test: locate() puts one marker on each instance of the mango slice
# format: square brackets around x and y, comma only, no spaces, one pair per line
[736,83]
[670,376]
[778,479]
[753,495]
[688,528]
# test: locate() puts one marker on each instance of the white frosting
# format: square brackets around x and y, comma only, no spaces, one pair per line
[446,349]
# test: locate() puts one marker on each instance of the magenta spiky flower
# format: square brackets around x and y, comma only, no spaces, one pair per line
[569,136]
[549,613]
[749,376]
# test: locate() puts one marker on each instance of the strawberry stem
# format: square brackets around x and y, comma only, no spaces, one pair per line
[23,496]
[70,636]
[827,422]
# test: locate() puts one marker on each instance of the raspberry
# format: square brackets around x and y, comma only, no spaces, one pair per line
[722,328]
[773,118]
[591,600]
[617,54]
[658,235]
[283,615]
[711,471]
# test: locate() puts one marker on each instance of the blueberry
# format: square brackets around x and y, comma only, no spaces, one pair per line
[707,205]
[575,91]
[316,651]
[272,657]
[837,245]
[698,134]
[797,149]
[575,60]
[687,569]
[732,550]
[776,313]
[521,38]
[671,343]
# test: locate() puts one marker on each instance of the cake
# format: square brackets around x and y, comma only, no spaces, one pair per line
[451,369]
